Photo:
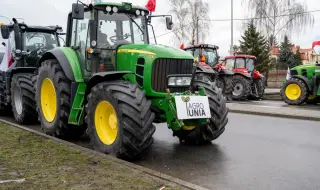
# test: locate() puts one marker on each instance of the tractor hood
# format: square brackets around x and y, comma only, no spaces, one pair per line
[305,66]
[157,51]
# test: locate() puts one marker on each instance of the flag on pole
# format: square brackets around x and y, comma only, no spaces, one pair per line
[151,5]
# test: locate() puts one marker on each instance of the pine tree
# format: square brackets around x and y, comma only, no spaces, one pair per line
[254,43]
[286,57]
[297,58]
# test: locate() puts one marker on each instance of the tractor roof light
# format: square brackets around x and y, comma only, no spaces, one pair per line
[108,9]
[143,13]
[138,12]
[115,9]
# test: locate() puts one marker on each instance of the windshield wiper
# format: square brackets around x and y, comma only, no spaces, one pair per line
[32,36]
[132,20]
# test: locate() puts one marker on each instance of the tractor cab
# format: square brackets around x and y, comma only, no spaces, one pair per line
[29,43]
[205,53]
[103,30]
[243,64]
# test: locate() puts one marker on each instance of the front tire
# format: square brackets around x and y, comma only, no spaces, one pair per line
[206,133]
[241,88]
[53,96]
[23,98]
[294,92]
[119,119]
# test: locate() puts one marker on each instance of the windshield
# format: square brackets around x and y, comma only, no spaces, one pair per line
[37,40]
[211,56]
[118,29]
[250,64]
[240,63]
[229,63]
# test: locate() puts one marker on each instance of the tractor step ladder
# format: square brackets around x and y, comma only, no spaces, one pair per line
[77,110]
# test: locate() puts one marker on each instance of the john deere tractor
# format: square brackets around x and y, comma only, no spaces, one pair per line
[110,82]
[24,45]
[302,83]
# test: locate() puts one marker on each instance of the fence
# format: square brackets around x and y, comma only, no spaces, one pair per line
[276,78]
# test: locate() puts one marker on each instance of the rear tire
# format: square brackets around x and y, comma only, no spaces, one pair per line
[52,73]
[241,88]
[23,99]
[133,119]
[226,84]
[294,92]
[5,109]
[206,133]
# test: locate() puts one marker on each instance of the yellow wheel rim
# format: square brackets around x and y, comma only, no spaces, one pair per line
[293,91]
[106,122]
[48,99]
[189,128]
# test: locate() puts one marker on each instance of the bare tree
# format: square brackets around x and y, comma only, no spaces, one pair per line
[191,20]
[280,17]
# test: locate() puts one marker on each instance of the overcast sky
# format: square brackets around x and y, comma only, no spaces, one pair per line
[53,12]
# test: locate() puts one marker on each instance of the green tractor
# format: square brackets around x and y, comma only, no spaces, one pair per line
[111,83]
[302,84]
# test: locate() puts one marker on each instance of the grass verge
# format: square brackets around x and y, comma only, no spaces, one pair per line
[45,164]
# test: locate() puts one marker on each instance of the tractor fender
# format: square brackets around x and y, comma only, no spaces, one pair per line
[58,54]
[23,70]
[205,69]
[226,72]
[105,76]
[246,76]
[305,80]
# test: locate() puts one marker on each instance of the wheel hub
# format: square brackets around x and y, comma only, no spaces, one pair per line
[237,89]
[48,100]
[106,122]
[293,91]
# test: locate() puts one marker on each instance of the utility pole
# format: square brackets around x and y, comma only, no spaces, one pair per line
[231,48]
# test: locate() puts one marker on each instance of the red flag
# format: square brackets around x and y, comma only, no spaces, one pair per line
[315,43]
[182,46]
[151,5]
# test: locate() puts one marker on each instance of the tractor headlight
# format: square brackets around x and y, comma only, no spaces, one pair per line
[179,81]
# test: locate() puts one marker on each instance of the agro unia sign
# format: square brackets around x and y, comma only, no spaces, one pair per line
[192,107]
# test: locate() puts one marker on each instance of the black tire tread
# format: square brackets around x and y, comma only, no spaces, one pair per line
[29,113]
[62,129]
[218,120]
[135,117]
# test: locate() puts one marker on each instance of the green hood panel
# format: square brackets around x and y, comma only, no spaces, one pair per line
[306,66]
[158,51]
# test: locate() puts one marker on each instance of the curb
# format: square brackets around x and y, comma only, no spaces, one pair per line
[275,115]
[249,109]
[162,176]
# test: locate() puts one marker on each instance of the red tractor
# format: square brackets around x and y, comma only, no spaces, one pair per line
[207,55]
[248,83]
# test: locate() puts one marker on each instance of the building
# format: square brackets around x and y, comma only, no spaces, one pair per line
[308,55]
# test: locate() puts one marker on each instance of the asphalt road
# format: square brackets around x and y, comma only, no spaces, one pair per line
[255,152]
[279,104]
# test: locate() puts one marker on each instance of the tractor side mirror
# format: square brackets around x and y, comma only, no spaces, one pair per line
[169,23]
[5,32]
[77,11]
